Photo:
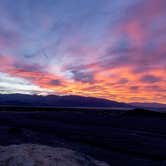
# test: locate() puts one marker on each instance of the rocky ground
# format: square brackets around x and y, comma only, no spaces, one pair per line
[118,138]
[39,155]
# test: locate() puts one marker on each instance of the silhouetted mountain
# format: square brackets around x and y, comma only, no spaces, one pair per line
[57,101]
[149,105]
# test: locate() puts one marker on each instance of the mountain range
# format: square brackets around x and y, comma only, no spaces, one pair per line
[57,101]
[149,105]
[69,101]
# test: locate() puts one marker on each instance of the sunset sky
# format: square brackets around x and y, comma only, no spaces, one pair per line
[114,49]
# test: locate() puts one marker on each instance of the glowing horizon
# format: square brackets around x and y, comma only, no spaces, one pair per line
[109,49]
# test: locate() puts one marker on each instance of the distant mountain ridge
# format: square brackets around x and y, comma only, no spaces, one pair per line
[57,101]
[149,105]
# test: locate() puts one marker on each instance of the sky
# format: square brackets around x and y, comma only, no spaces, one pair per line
[113,49]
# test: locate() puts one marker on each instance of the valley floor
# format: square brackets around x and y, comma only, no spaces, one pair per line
[117,137]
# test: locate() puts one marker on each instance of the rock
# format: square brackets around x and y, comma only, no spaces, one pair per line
[41,155]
